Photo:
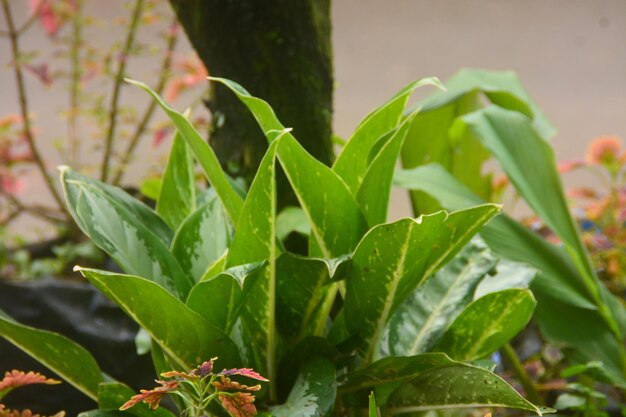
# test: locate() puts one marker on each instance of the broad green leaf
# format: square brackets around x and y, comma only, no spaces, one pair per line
[185,336]
[487,324]
[112,395]
[201,239]
[150,188]
[456,386]
[423,318]
[304,295]
[177,195]
[529,162]
[139,212]
[255,241]
[218,299]
[352,163]
[337,230]
[375,187]
[64,357]
[504,235]
[313,394]
[508,275]
[557,289]
[393,259]
[292,219]
[229,197]
[114,229]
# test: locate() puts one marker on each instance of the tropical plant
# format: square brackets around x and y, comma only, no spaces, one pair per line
[17,379]
[207,275]
[513,131]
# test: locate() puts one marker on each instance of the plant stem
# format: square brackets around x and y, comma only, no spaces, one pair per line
[531,392]
[119,78]
[28,132]
[76,73]
[147,116]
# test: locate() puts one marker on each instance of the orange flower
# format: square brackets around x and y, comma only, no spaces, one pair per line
[604,150]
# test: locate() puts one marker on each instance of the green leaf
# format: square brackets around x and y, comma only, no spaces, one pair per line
[375,187]
[139,212]
[304,295]
[313,394]
[508,275]
[218,299]
[177,195]
[292,219]
[64,357]
[487,324]
[456,386]
[150,188]
[229,197]
[112,395]
[184,335]
[373,410]
[201,239]
[114,229]
[104,413]
[352,163]
[336,231]
[255,241]
[558,292]
[422,319]
[393,259]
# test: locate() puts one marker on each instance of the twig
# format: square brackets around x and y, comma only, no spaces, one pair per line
[119,78]
[32,19]
[45,213]
[529,387]
[141,128]
[28,133]
[76,73]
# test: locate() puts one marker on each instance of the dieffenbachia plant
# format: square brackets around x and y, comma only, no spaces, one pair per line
[401,309]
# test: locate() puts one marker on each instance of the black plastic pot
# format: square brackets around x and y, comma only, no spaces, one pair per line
[80,312]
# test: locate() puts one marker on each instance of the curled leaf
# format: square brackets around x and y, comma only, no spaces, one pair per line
[17,378]
[5,412]
[247,372]
[151,397]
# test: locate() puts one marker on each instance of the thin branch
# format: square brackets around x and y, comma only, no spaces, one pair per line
[28,132]
[119,78]
[42,212]
[529,387]
[76,74]
[141,128]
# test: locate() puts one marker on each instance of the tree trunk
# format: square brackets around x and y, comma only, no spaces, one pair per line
[279,50]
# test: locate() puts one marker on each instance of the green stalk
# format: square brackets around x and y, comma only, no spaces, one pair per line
[531,392]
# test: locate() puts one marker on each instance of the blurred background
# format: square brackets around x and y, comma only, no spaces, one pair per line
[569,54]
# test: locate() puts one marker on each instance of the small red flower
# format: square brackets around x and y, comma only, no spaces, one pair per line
[151,397]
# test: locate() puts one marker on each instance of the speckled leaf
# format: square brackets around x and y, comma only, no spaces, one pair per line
[375,187]
[352,164]
[393,259]
[132,244]
[456,386]
[177,194]
[336,231]
[139,212]
[255,241]
[112,395]
[218,299]
[229,197]
[183,334]
[314,392]
[304,295]
[69,360]
[423,318]
[201,239]
[337,222]
[487,324]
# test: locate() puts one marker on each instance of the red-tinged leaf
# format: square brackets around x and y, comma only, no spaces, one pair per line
[240,404]
[151,397]
[5,412]
[41,72]
[16,379]
[205,369]
[227,384]
[567,166]
[247,372]
[180,375]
